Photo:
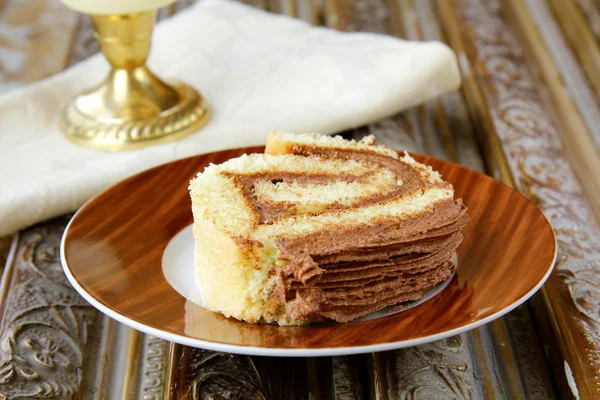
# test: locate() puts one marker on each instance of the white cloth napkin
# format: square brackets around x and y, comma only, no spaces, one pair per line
[259,72]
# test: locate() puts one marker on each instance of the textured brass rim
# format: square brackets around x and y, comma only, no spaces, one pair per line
[170,125]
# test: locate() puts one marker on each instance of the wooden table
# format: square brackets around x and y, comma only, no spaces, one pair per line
[527,113]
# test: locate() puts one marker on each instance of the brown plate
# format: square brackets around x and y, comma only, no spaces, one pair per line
[113,247]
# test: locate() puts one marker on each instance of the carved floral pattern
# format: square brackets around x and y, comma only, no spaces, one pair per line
[538,160]
[46,323]
[216,375]
[437,370]
[47,352]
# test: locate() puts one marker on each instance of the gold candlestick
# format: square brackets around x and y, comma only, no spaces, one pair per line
[132,108]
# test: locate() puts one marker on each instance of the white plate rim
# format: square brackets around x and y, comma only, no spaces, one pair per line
[291,352]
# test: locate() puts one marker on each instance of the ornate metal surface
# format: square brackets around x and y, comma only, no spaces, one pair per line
[442,369]
[222,375]
[53,345]
[153,368]
[346,380]
[48,331]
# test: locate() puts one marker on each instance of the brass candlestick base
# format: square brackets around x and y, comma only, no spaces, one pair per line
[133,108]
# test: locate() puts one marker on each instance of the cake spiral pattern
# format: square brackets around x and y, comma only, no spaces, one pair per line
[321,228]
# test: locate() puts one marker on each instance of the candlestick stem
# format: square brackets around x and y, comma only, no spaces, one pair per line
[132,108]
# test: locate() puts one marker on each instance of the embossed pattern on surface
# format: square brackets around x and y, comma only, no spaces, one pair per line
[222,375]
[541,170]
[153,368]
[213,375]
[439,370]
[47,333]
[346,380]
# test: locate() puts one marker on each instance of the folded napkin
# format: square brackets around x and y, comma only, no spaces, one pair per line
[259,72]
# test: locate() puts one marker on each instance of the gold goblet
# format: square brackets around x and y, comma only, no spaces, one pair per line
[132,108]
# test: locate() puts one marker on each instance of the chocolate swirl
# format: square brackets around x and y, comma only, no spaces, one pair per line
[353,270]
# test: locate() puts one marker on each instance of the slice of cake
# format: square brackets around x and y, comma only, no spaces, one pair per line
[321,228]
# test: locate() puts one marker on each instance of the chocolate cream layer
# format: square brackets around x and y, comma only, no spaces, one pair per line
[350,271]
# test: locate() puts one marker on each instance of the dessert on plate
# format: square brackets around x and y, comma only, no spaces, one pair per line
[321,228]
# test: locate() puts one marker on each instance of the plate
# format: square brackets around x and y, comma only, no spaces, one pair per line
[113,248]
